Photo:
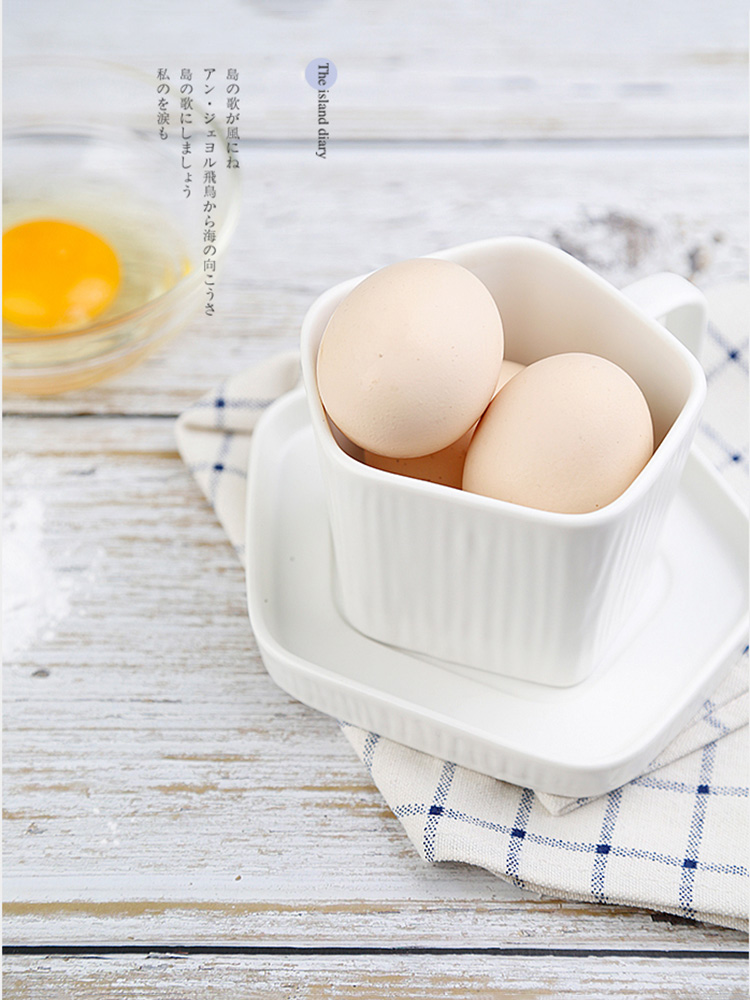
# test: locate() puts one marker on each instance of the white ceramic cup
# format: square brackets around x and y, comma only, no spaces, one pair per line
[489,584]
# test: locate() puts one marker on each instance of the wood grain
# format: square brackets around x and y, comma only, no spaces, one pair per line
[479,70]
[158,787]
[627,211]
[160,791]
[374,977]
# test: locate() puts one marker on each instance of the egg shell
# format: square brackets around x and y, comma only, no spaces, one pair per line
[507,370]
[568,434]
[410,358]
[447,465]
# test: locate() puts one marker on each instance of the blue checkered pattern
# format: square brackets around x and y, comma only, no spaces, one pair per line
[214,433]
[674,839]
[668,843]
[723,433]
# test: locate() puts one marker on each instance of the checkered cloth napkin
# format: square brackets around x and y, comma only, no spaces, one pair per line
[675,838]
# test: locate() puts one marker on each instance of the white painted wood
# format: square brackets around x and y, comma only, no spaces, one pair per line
[159,789]
[628,211]
[373,977]
[473,921]
[480,69]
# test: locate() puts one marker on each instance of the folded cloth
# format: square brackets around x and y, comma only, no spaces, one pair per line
[673,839]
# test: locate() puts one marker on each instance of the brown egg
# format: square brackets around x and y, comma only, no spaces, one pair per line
[569,433]
[507,370]
[410,358]
[447,465]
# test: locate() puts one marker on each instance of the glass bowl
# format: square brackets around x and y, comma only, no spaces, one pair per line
[88,143]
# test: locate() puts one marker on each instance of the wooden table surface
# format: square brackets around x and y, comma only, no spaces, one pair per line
[176,825]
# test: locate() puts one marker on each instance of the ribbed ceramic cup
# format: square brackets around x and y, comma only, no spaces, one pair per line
[489,584]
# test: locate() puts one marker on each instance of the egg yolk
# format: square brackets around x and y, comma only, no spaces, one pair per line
[56,275]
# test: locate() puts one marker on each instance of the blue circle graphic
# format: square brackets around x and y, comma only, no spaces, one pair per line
[321,73]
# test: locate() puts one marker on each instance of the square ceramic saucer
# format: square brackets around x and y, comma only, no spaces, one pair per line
[578,741]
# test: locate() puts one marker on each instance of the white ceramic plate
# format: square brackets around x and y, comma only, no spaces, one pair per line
[581,740]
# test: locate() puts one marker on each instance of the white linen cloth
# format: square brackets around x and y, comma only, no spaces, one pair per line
[675,838]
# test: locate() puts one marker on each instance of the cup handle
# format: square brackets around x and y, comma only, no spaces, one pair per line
[676,303]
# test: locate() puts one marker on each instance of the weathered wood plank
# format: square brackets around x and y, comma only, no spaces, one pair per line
[373,977]
[628,211]
[159,789]
[454,910]
[478,70]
